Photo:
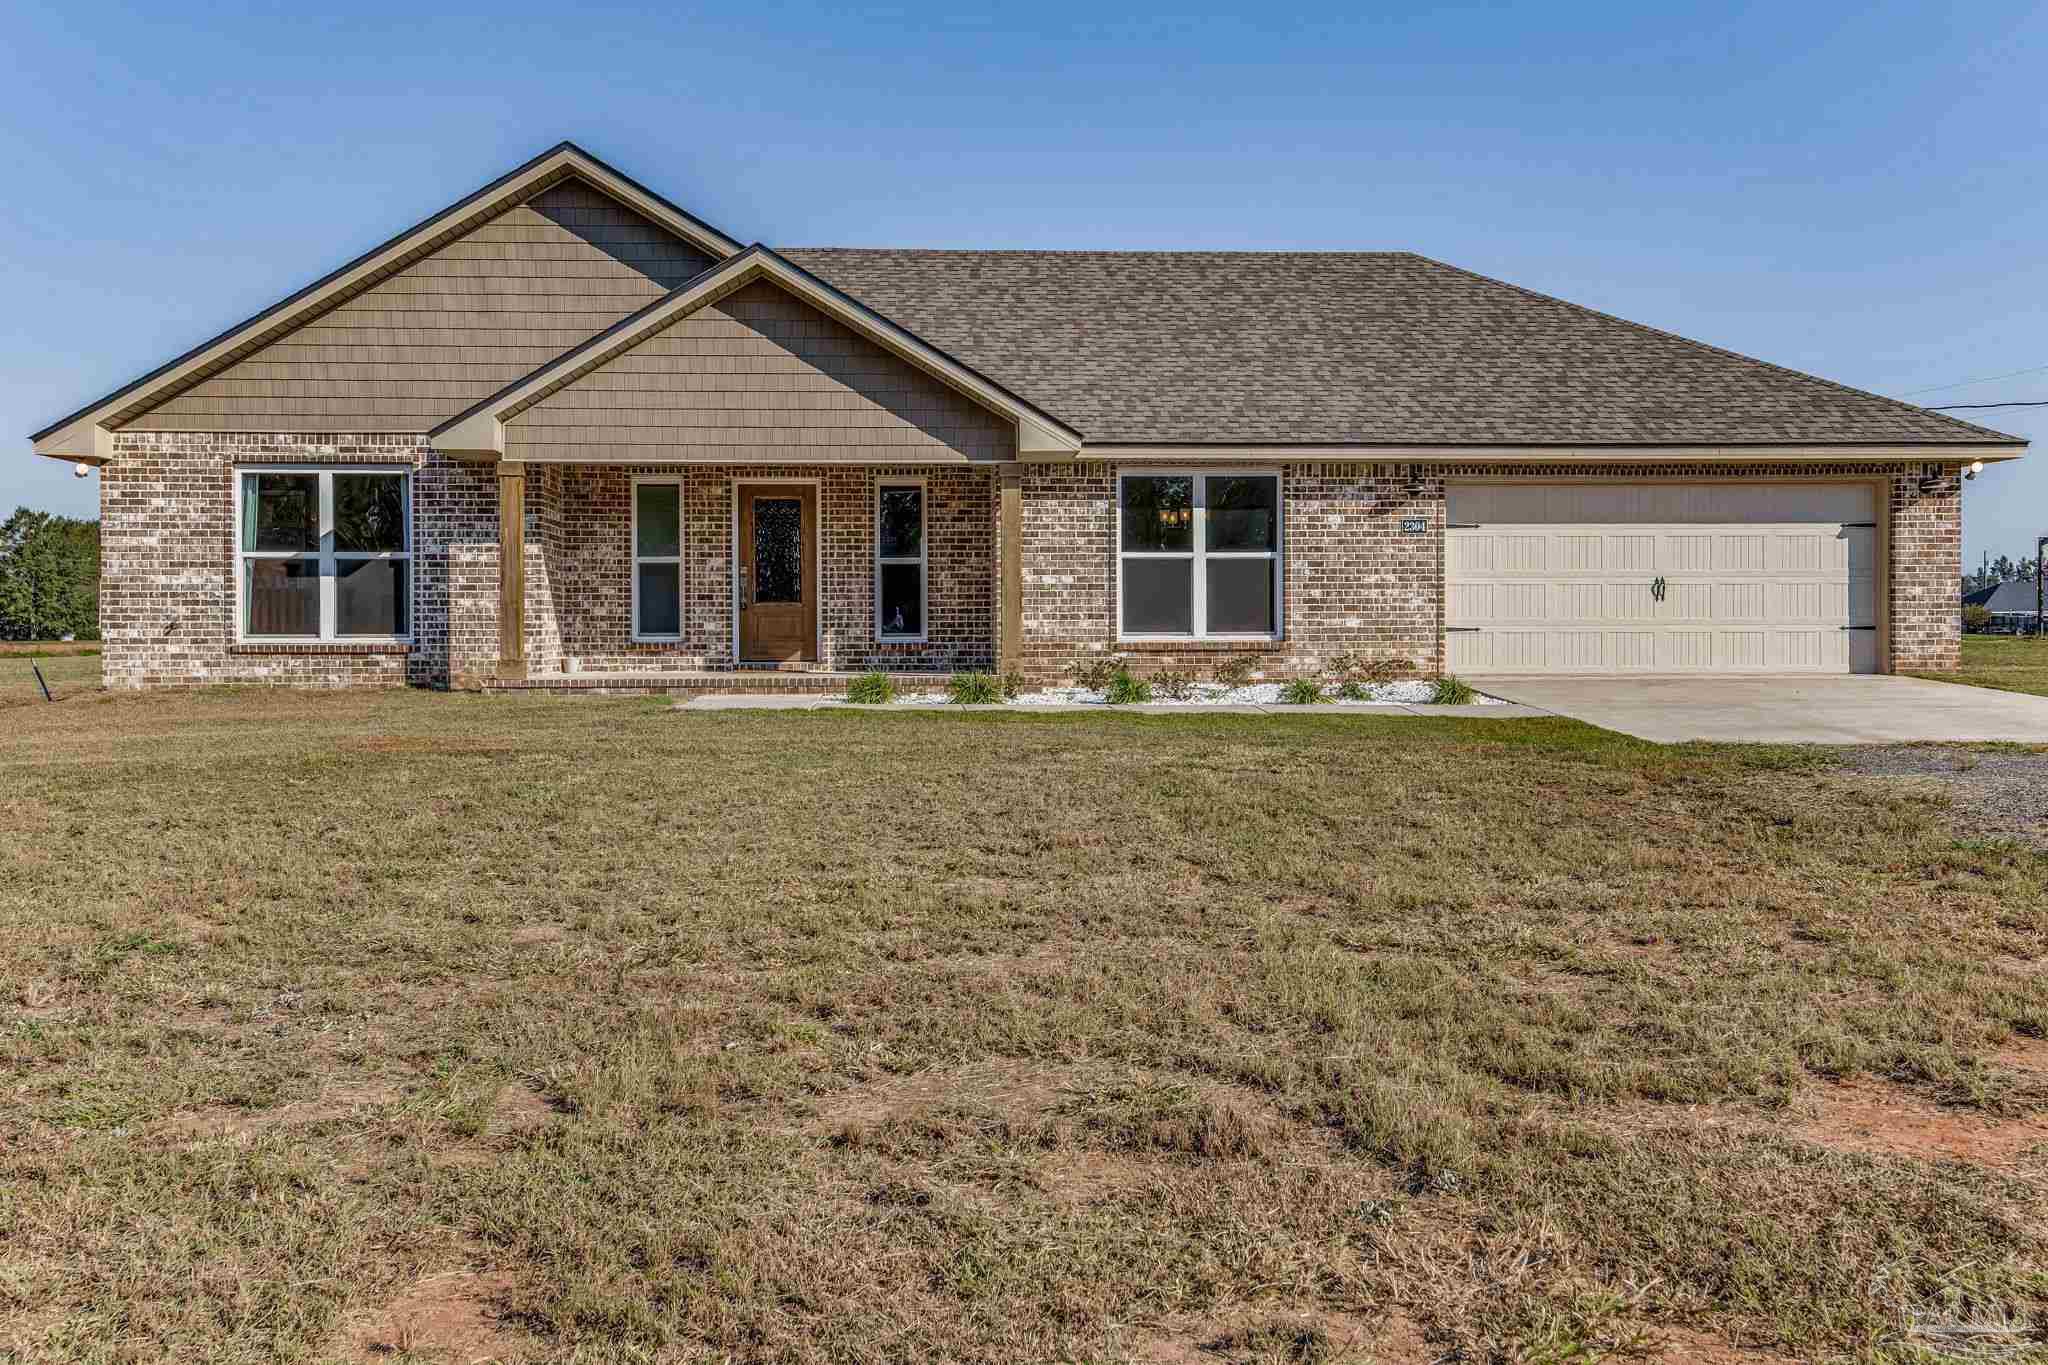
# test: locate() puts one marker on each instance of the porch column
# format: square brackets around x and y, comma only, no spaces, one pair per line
[511,569]
[1010,568]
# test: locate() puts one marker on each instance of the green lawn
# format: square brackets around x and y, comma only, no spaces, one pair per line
[68,675]
[420,1027]
[2003,661]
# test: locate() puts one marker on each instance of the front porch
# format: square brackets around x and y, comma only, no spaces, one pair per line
[730,577]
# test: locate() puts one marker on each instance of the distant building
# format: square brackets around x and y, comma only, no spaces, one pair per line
[2012,603]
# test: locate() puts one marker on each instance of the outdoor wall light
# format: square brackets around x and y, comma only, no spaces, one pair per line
[1976,468]
[81,469]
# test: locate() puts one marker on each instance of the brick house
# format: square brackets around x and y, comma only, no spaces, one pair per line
[564,434]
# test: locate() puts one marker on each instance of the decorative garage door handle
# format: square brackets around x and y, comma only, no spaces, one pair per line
[1657,588]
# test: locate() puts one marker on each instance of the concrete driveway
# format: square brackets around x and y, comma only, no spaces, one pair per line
[1787,709]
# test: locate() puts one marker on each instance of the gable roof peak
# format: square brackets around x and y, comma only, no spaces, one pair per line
[87,433]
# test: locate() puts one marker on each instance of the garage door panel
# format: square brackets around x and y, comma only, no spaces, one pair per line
[1737,553]
[1688,651]
[1688,553]
[1632,554]
[1739,601]
[1633,651]
[1754,577]
[1794,552]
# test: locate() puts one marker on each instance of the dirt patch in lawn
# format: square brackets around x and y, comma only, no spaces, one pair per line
[1013,1089]
[1863,1115]
[1992,791]
[1292,1338]
[457,1316]
[426,745]
[336,1102]
[1687,1346]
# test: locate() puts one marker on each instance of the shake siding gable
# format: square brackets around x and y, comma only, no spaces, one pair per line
[450,329]
[758,375]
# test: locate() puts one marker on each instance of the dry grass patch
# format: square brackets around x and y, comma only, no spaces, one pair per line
[886,1037]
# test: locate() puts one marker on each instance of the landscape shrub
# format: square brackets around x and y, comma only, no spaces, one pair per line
[1093,671]
[1357,666]
[1014,685]
[871,689]
[1126,689]
[974,689]
[1452,691]
[1174,685]
[1301,692]
[1238,670]
[1351,689]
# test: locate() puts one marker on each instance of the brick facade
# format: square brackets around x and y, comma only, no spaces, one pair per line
[579,566]
[1352,580]
[1355,582]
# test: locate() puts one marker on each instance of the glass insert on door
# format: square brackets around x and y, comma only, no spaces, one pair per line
[778,550]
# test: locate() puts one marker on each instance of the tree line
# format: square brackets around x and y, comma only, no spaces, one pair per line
[49,577]
[2003,569]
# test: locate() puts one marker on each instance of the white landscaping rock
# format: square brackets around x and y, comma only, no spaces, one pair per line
[1409,693]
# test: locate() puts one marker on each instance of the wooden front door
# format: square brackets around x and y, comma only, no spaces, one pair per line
[778,572]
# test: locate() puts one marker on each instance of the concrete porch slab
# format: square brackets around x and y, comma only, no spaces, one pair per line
[1863,708]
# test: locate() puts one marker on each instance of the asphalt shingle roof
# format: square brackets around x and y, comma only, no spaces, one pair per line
[2015,594]
[1342,347]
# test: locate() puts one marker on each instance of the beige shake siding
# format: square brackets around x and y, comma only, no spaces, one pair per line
[757,375]
[452,328]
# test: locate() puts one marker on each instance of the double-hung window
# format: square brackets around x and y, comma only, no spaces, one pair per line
[657,559]
[1198,555]
[324,554]
[900,562]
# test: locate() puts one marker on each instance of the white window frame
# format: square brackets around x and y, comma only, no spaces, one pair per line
[1199,553]
[637,559]
[325,555]
[922,560]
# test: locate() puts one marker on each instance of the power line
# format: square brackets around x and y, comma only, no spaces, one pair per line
[1965,383]
[1958,407]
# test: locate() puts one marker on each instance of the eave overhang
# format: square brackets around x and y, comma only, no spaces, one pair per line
[86,435]
[1944,453]
[479,433]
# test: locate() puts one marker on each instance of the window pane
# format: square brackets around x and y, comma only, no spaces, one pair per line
[778,550]
[1240,596]
[902,533]
[655,509]
[371,597]
[369,512]
[902,604]
[281,512]
[1159,512]
[1159,597]
[1242,512]
[282,597]
[661,609]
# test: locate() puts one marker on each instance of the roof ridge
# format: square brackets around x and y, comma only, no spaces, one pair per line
[1723,351]
[1104,251]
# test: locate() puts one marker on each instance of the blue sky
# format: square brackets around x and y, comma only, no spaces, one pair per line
[1850,189]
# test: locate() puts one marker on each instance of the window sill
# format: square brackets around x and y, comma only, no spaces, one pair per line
[654,644]
[1166,644]
[885,641]
[320,647]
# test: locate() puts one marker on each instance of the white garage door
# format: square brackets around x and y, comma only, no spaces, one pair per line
[1661,578]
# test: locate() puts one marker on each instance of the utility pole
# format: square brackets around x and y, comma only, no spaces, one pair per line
[2040,584]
